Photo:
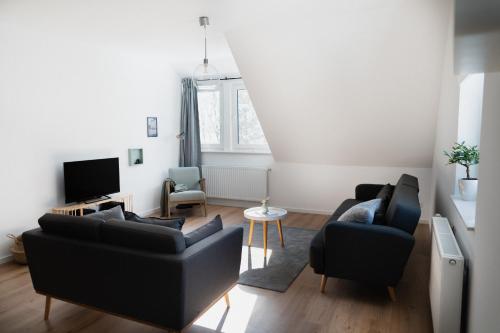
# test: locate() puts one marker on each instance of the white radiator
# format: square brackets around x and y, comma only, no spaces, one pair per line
[236,183]
[446,280]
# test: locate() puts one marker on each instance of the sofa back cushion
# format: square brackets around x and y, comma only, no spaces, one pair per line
[143,236]
[404,211]
[204,231]
[408,180]
[84,228]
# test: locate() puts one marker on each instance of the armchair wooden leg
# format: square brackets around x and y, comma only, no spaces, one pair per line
[47,307]
[205,208]
[168,210]
[323,283]
[392,293]
[226,298]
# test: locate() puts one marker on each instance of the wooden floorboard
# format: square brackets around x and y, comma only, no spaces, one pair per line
[346,306]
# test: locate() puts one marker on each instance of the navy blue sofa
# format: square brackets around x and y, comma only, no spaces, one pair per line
[140,271]
[372,253]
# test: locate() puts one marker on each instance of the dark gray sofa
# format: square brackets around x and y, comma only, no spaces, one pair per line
[372,253]
[139,271]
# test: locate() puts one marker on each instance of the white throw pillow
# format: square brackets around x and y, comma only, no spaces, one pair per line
[363,212]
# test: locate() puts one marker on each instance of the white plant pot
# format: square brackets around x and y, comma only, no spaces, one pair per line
[468,189]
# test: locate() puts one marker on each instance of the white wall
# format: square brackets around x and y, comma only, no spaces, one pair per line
[485,291]
[63,98]
[444,176]
[480,246]
[317,188]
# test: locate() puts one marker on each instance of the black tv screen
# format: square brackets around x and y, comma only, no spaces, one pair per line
[84,180]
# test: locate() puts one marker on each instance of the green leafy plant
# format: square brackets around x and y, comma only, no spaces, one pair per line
[463,155]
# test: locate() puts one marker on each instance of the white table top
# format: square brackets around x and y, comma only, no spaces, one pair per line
[256,214]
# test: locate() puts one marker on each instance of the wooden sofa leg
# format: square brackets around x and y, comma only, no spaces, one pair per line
[392,293]
[47,307]
[226,298]
[323,283]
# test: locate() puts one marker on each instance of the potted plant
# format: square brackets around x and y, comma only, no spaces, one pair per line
[466,156]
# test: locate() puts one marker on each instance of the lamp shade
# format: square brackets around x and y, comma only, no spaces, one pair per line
[205,72]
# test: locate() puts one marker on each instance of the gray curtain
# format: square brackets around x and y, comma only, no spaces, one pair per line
[190,145]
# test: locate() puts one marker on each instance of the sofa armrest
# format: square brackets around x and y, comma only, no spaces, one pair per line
[365,192]
[210,267]
[366,252]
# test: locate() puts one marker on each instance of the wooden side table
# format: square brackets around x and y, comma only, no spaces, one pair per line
[255,214]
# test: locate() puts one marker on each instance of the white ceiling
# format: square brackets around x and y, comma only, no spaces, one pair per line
[333,81]
[167,28]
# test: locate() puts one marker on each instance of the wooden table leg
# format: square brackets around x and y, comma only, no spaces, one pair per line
[264,230]
[250,232]
[280,231]
[47,307]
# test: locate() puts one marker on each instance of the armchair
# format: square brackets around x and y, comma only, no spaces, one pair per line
[194,195]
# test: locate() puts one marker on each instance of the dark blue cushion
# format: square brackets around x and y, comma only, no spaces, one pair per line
[78,227]
[404,209]
[204,231]
[176,222]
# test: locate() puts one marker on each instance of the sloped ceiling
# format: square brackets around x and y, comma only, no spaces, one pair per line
[342,82]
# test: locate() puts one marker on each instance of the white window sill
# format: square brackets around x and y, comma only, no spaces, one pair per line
[255,152]
[467,210]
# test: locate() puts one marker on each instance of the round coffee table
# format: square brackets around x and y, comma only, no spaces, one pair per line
[255,214]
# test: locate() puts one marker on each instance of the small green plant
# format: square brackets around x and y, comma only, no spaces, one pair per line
[464,155]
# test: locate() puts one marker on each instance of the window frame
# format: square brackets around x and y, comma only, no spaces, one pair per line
[235,145]
[220,146]
[228,90]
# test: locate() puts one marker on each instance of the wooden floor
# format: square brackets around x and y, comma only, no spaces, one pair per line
[345,307]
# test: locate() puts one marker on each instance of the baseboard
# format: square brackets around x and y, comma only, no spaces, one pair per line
[248,204]
[6,259]
[149,212]
[232,203]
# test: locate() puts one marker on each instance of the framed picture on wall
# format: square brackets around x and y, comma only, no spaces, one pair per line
[152,126]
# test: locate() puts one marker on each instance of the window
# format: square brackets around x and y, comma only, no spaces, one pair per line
[470,108]
[228,121]
[249,130]
[209,110]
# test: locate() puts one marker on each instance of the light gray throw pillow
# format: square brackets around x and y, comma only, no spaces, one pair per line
[363,212]
[115,213]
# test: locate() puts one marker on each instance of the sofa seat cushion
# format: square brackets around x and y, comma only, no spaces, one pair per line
[115,213]
[78,227]
[143,236]
[192,195]
[204,231]
[363,212]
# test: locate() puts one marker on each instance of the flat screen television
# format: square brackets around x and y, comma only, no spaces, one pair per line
[86,180]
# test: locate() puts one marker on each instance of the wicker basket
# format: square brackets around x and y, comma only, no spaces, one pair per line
[17,249]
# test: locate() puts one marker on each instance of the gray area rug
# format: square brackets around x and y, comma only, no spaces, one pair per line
[283,265]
